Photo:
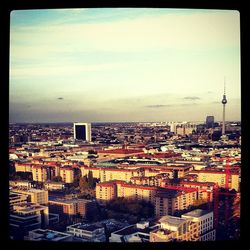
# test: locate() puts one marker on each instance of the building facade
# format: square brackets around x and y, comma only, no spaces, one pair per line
[71,207]
[39,196]
[82,131]
[87,232]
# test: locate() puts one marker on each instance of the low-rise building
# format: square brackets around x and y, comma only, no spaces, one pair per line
[48,235]
[139,232]
[51,185]
[20,184]
[87,232]
[26,217]
[16,198]
[39,196]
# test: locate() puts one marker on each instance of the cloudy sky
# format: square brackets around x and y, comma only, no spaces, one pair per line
[122,64]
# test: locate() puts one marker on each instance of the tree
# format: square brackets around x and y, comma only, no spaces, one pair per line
[77,176]
[92,152]
[83,183]
[57,178]
[91,183]
[12,169]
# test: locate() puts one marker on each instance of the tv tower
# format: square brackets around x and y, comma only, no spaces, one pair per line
[224,102]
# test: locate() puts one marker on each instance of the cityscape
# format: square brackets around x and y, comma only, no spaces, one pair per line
[152,159]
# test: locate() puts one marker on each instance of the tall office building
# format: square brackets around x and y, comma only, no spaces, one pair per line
[82,131]
[209,122]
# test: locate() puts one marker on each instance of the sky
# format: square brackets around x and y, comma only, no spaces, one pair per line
[124,65]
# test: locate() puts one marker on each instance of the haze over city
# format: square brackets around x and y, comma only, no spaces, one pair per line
[123,64]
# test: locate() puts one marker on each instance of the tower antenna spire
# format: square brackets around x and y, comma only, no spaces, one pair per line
[224,85]
[224,102]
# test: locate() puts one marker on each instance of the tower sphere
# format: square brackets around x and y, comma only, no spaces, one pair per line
[224,101]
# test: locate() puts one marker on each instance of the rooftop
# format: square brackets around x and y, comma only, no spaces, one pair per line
[172,220]
[120,151]
[196,213]
[87,227]
[28,208]
[134,229]
[69,201]
[49,235]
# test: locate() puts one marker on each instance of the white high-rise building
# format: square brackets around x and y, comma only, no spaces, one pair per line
[82,131]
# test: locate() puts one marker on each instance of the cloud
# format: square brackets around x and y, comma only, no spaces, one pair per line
[61,69]
[191,98]
[187,104]
[206,30]
[158,106]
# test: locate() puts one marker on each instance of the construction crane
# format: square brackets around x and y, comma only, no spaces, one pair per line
[226,194]
[209,192]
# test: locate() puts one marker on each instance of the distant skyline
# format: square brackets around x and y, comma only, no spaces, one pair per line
[124,65]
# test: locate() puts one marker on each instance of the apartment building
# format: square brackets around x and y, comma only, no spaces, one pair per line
[67,174]
[71,207]
[205,223]
[23,167]
[205,189]
[219,177]
[157,180]
[173,228]
[39,173]
[106,191]
[171,199]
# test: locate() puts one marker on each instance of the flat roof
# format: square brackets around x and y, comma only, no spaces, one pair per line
[50,234]
[69,201]
[171,220]
[133,229]
[196,213]
[87,227]
[31,190]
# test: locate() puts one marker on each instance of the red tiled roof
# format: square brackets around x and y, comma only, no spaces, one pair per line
[106,184]
[90,168]
[120,151]
[66,169]
[139,187]
[196,183]
[213,172]
[37,166]
[161,155]
[181,188]
[117,170]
